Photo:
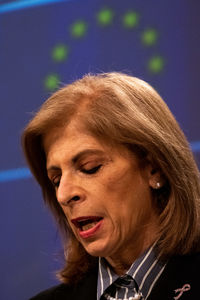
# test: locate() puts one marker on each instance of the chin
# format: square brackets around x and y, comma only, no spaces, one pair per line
[96,249]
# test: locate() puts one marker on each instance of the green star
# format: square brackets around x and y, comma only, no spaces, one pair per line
[156,64]
[51,82]
[78,29]
[149,37]
[60,53]
[131,19]
[105,17]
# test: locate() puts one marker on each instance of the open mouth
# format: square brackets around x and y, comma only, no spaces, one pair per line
[86,223]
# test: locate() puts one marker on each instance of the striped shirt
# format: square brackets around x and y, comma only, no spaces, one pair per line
[138,281]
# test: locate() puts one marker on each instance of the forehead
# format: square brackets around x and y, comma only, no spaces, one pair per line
[73,139]
[73,135]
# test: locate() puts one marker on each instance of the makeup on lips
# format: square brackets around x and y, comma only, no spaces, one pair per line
[87,225]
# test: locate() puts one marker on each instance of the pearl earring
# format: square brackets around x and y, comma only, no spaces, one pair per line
[158,185]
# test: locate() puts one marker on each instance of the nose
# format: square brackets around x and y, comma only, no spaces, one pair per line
[69,191]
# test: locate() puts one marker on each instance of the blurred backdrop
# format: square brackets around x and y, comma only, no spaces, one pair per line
[45,44]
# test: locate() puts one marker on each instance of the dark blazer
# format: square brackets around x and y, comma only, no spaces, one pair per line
[181,275]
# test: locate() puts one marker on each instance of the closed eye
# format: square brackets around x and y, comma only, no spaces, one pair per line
[91,170]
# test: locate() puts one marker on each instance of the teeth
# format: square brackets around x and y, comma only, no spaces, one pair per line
[88,226]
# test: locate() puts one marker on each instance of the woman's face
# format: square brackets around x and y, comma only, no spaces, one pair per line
[102,190]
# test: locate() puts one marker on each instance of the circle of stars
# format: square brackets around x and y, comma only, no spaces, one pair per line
[104,18]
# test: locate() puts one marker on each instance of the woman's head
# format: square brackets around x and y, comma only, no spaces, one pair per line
[104,192]
[125,112]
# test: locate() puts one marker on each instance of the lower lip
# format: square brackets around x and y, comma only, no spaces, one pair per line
[90,232]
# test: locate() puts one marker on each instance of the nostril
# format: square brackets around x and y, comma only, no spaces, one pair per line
[75,198]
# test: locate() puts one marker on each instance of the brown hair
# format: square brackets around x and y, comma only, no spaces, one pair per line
[123,110]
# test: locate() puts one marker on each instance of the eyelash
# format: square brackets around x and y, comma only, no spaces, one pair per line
[86,171]
[92,170]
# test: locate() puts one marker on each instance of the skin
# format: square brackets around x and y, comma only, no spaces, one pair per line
[94,179]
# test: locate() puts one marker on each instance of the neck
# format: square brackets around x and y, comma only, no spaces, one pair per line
[121,263]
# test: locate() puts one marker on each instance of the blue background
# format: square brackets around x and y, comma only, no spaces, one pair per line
[30,250]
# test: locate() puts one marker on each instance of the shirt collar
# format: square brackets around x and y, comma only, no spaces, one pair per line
[145,271]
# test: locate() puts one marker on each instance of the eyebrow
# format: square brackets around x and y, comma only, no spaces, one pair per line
[77,157]
[86,152]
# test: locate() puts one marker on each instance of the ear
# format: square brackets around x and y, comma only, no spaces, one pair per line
[155,177]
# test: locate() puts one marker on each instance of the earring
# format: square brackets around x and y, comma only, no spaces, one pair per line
[158,185]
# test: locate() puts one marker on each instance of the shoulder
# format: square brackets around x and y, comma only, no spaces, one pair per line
[51,293]
[85,289]
[184,264]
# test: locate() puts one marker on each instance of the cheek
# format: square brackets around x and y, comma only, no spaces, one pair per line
[128,197]
[124,185]
[116,196]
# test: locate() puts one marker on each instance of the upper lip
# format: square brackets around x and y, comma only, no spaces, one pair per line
[80,221]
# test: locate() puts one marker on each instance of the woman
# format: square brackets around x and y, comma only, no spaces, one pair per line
[118,175]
